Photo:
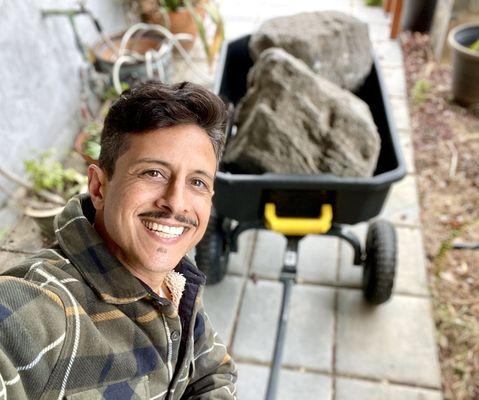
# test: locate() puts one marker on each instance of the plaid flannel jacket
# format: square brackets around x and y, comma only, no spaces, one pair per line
[75,324]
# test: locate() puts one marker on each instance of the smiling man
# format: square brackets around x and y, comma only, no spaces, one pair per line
[114,311]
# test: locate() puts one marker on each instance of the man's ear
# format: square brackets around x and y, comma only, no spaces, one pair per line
[97,181]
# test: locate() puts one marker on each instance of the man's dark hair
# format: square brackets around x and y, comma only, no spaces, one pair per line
[155,105]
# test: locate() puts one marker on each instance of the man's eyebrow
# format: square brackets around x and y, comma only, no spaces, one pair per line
[167,164]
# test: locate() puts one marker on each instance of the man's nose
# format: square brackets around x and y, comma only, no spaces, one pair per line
[174,197]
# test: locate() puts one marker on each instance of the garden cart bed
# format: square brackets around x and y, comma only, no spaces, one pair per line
[300,204]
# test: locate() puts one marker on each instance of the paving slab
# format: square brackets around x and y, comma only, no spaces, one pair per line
[402,205]
[408,152]
[256,330]
[378,32]
[355,389]
[389,54]
[370,15]
[309,338]
[411,276]
[253,381]
[239,261]
[268,253]
[395,341]
[401,115]
[318,259]
[394,81]
[222,302]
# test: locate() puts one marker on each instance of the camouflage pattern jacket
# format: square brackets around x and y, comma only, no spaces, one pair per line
[75,324]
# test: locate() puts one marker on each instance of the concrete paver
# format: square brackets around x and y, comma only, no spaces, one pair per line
[395,341]
[402,206]
[366,390]
[239,261]
[318,259]
[256,331]
[222,314]
[400,110]
[293,384]
[310,335]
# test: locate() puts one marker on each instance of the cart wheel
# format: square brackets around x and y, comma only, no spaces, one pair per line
[212,252]
[380,265]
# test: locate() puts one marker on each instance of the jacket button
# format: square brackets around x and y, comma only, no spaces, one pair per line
[175,335]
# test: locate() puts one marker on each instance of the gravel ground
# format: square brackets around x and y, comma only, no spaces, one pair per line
[446,146]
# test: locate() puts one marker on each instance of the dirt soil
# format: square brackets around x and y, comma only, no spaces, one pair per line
[446,147]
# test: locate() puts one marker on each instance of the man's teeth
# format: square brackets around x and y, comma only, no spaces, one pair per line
[164,230]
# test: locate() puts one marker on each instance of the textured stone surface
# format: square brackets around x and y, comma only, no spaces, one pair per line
[347,389]
[337,45]
[253,380]
[395,341]
[221,302]
[293,121]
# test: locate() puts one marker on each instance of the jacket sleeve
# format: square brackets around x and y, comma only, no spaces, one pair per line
[32,332]
[214,373]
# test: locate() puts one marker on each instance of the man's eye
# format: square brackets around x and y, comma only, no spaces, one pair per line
[199,183]
[153,173]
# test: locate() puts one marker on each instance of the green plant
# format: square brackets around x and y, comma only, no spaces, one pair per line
[420,91]
[47,174]
[198,9]
[474,46]
[91,146]
[373,2]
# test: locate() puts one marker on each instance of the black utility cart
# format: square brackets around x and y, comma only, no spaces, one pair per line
[297,205]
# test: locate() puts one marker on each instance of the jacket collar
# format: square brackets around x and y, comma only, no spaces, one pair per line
[102,271]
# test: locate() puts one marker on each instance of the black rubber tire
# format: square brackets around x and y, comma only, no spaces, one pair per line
[380,264]
[212,252]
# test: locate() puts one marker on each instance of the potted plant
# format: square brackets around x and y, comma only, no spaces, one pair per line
[49,187]
[186,16]
[464,42]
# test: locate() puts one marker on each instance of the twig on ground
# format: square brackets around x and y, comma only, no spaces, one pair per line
[52,197]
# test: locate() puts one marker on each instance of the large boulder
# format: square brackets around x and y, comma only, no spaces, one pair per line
[293,121]
[333,44]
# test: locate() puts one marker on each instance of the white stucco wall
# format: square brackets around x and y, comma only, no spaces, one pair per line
[40,77]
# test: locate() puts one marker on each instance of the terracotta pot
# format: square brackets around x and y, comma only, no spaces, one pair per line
[80,140]
[105,58]
[465,64]
[179,21]
[44,219]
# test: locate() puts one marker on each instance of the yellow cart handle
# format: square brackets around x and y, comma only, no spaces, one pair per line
[298,226]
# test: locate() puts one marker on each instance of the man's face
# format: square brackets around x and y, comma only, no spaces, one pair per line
[156,206]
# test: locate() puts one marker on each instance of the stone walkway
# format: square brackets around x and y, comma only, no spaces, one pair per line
[337,347]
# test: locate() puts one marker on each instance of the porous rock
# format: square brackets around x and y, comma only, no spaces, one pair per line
[333,44]
[293,121]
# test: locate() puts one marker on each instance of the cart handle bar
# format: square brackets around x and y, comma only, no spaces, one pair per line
[298,226]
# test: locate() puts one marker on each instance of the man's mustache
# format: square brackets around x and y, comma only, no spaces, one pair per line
[167,214]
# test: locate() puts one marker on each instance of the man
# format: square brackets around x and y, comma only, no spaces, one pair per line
[114,311]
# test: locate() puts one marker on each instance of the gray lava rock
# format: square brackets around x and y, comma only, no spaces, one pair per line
[293,121]
[333,44]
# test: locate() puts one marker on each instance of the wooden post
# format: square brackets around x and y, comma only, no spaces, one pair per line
[395,26]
